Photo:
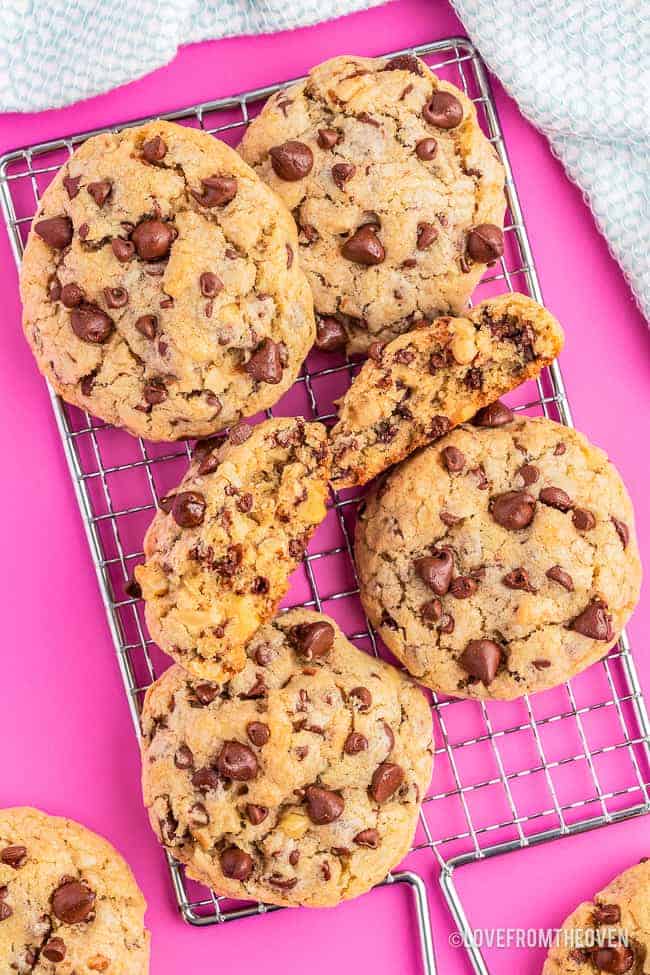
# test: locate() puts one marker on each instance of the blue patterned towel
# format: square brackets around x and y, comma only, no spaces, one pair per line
[580,72]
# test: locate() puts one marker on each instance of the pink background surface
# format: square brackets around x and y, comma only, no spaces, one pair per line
[68,742]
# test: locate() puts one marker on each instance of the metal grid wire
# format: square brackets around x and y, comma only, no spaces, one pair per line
[513,791]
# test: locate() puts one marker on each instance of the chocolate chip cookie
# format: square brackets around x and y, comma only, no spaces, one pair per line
[501,559]
[299,780]
[420,385]
[610,933]
[68,901]
[397,194]
[221,549]
[160,286]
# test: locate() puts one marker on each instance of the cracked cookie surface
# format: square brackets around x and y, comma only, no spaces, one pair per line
[397,194]
[298,781]
[424,383]
[220,550]
[501,559]
[159,284]
[69,903]
[610,933]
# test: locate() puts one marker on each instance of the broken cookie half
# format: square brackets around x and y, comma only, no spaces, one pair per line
[422,384]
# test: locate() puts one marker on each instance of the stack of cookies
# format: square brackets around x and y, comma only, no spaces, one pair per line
[174,287]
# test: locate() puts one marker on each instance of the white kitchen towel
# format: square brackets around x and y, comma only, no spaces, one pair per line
[580,72]
[54,52]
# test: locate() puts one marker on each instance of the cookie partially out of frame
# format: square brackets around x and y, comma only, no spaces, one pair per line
[160,286]
[298,781]
[68,901]
[610,933]
[397,194]
[501,559]
[220,551]
[427,381]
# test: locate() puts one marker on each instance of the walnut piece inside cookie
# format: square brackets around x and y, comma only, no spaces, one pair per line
[396,192]
[299,780]
[501,559]
[159,284]
[422,384]
[220,550]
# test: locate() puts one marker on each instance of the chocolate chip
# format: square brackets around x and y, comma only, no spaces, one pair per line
[583,519]
[541,664]
[83,231]
[5,910]
[55,231]
[183,757]
[54,289]
[100,191]
[426,235]
[71,295]
[462,587]
[362,696]
[368,838]
[265,365]
[453,459]
[147,325]
[616,959]
[133,589]
[323,805]
[426,149]
[557,574]
[313,640]
[256,814]
[386,780]
[443,110]
[292,160]
[438,427]
[518,579]
[258,732]
[71,184]
[328,138]
[91,324]
[364,247]
[594,622]
[431,610]
[216,191]
[622,531]
[14,856]
[607,914]
[205,779]
[513,510]
[210,284]
[116,297]
[188,509]
[404,62]
[481,659]
[495,415]
[122,249]
[153,150]
[330,334]
[237,761]
[73,902]
[355,743]
[152,239]
[205,693]
[240,433]
[529,474]
[235,864]
[342,172]
[54,950]
[485,243]
[436,570]
[555,497]
[199,814]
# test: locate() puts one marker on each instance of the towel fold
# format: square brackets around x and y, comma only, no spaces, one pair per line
[580,72]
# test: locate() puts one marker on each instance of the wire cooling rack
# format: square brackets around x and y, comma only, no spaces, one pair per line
[507,775]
